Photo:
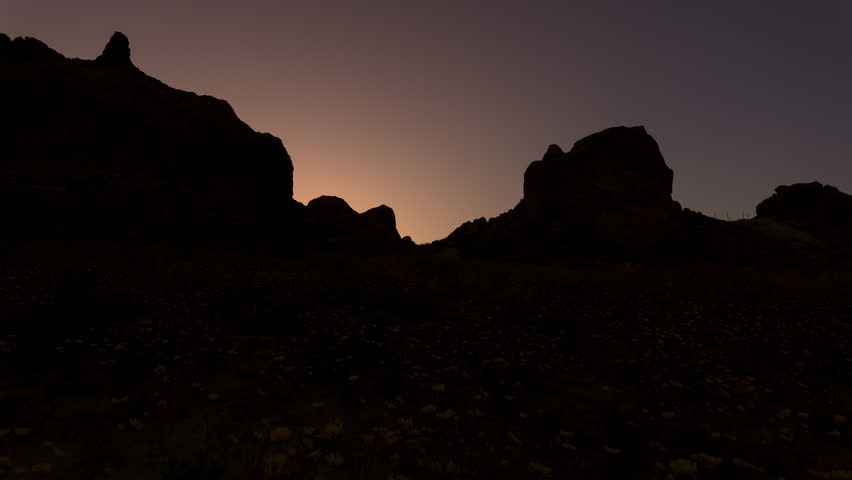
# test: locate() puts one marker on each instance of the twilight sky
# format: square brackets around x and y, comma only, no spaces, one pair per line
[436,108]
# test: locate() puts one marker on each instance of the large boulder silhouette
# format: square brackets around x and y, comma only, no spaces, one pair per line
[614,185]
[809,205]
[612,191]
[812,215]
[338,226]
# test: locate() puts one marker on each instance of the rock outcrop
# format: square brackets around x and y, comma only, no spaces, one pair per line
[97,149]
[340,227]
[117,52]
[609,197]
[614,185]
[26,49]
[813,216]
[808,205]
[612,191]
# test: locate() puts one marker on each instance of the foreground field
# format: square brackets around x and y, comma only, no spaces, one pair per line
[197,366]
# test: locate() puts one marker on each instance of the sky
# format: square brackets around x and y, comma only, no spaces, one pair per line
[436,108]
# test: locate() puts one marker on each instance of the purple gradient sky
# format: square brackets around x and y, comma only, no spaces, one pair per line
[436,109]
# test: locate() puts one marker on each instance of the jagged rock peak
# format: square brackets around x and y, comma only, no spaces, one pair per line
[117,51]
[26,50]
[553,153]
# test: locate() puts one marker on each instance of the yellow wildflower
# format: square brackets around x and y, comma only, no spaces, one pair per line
[537,467]
[136,423]
[273,465]
[334,459]
[708,461]
[280,434]
[682,465]
[333,429]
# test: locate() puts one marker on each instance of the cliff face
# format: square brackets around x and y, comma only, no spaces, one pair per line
[97,147]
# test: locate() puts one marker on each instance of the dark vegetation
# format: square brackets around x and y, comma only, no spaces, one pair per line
[226,366]
[168,311]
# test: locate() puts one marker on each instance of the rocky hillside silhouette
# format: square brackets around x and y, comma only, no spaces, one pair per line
[98,149]
[338,226]
[609,197]
[816,218]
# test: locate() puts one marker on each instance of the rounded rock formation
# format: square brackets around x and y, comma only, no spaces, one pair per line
[613,185]
[808,204]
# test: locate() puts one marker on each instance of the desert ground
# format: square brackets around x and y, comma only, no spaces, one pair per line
[166,364]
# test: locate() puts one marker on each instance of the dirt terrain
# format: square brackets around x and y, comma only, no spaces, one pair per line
[178,365]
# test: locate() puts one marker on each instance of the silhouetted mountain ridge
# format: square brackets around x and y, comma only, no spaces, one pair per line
[98,149]
[609,197]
